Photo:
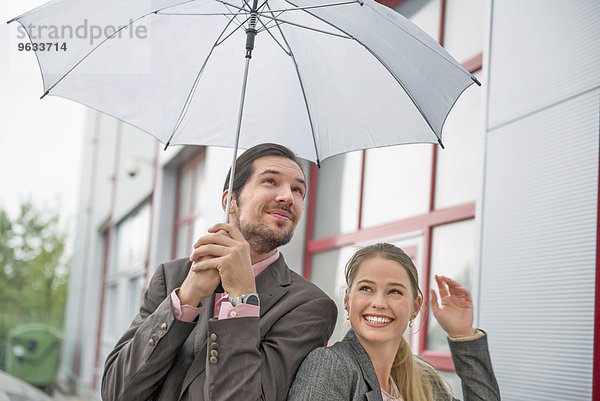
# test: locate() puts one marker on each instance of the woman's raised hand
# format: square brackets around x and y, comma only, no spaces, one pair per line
[455,314]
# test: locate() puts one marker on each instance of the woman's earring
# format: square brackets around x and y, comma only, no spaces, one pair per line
[410,323]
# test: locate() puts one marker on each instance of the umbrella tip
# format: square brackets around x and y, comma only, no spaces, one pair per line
[167,145]
[474,78]
[44,95]
[441,144]
[8,22]
[318,163]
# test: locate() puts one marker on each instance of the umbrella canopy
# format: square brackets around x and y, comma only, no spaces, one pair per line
[327,76]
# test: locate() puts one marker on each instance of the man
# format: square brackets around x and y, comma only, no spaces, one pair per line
[184,345]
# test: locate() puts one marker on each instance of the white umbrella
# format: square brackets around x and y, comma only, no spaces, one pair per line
[327,76]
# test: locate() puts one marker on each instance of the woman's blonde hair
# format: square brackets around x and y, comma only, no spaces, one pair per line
[413,377]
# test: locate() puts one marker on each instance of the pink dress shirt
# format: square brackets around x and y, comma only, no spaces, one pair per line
[223,308]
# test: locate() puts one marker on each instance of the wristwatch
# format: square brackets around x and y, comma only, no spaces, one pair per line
[250,299]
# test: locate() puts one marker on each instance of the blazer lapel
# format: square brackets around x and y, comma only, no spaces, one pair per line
[374,395]
[200,338]
[366,367]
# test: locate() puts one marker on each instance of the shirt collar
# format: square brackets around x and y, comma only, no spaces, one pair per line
[259,267]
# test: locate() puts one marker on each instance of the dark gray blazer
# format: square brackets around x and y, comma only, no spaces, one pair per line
[162,358]
[344,372]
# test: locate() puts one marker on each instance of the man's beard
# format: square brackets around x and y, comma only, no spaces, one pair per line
[262,238]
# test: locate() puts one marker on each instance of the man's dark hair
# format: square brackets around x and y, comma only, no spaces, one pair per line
[243,166]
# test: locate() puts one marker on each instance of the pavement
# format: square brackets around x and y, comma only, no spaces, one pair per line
[58,396]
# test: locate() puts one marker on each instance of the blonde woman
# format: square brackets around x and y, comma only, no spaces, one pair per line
[374,361]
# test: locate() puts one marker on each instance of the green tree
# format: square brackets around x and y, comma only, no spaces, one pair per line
[33,269]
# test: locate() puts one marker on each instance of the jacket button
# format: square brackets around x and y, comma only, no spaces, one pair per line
[151,342]
[154,337]
[213,359]
[232,314]
[214,352]
[213,337]
[214,345]
[163,326]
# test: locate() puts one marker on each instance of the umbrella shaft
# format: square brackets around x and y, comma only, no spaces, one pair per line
[237,140]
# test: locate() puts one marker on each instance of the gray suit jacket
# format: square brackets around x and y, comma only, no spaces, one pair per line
[344,372]
[162,358]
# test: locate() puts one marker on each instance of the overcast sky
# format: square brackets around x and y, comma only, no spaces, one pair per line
[40,140]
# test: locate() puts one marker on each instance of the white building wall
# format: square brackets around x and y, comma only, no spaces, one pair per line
[538,241]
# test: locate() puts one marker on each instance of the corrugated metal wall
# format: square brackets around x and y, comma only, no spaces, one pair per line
[540,198]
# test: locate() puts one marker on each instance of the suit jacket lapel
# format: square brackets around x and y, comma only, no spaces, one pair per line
[271,284]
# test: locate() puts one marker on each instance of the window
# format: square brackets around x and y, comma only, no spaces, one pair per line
[125,280]
[338,184]
[420,197]
[452,253]
[190,223]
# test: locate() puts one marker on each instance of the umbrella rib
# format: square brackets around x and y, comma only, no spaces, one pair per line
[259,9]
[280,11]
[231,33]
[194,86]
[236,17]
[318,6]
[309,28]
[384,65]
[234,6]
[273,18]
[268,28]
[273,36]
[310,120]
[101,43]
[239,24]
[202,14]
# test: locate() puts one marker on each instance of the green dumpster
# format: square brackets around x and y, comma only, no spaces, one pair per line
[32,353]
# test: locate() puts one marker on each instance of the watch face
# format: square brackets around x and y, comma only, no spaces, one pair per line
[252,299]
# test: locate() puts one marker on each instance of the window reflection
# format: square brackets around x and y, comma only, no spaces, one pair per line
[464,28]
[459,165]
[327,271]
[125,280]
[397,183]
[338,195]
[132,239]
[190,223]
[423,13]
[452,254]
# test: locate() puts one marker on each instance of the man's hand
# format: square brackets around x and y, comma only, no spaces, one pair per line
[198,285]
[226,250]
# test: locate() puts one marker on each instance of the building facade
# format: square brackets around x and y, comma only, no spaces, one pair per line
[509,208]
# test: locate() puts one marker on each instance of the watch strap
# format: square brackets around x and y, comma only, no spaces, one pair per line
[250,299]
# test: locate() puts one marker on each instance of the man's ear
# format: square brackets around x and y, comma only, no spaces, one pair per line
[233,206]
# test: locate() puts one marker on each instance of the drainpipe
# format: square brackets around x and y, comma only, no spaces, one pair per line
[86,251]
[152,203]
[109,232]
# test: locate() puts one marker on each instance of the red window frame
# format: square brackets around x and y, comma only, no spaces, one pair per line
[425,222]
[191,215]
